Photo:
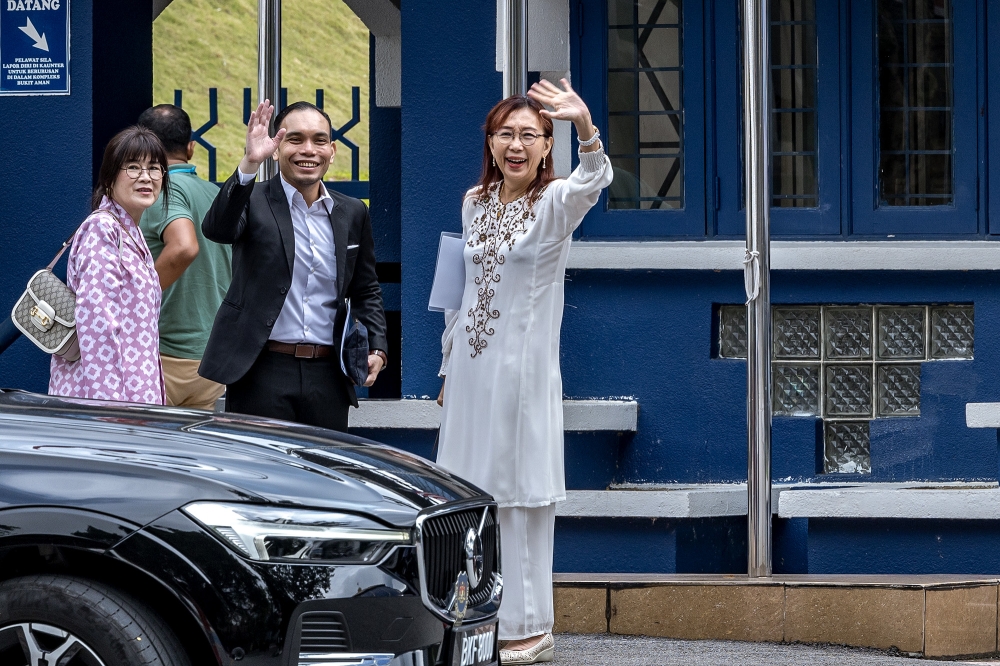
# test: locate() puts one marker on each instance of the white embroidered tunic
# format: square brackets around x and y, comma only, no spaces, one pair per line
[502,422]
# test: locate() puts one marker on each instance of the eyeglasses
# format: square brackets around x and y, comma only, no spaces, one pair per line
[527,138]
[155,171]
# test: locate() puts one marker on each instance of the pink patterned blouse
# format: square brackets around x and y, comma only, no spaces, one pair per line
[117,313]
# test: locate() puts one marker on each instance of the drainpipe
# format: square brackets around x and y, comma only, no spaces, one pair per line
[756,123]
[268,65]
[515,73]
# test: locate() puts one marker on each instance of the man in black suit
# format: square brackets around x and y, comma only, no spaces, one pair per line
[299,250]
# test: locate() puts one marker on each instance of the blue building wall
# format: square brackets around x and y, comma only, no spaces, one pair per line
[645,335]
[449,85]
[50,146]
[384,208]
[46,139]
[384,172]
[648,336]
[903,546]
[640,334]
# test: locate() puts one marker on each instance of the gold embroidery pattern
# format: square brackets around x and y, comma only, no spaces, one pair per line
[499,225]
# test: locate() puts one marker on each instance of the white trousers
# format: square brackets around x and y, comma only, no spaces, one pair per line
[526,536]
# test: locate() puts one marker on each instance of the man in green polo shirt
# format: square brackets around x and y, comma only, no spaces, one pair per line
[194,272]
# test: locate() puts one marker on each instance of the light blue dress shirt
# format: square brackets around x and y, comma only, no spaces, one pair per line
[311,302]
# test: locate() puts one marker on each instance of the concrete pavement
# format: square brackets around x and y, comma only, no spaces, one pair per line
[609,650]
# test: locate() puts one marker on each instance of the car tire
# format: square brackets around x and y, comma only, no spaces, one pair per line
[105,624]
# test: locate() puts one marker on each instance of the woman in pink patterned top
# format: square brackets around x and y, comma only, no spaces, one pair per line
[117,291]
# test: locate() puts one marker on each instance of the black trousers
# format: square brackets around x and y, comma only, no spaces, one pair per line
[312,391]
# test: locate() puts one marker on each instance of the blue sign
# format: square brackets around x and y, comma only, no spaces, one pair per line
[34,47]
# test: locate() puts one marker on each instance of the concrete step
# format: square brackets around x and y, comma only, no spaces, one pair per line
[578,415]
[931,616]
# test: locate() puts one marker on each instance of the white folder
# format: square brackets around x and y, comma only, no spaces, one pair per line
[449,274]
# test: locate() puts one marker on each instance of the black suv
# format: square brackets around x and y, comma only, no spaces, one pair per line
[163,536]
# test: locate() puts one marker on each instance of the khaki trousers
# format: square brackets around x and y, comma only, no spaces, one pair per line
[185,387]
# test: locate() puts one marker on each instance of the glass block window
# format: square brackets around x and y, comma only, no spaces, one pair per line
[846,448]
[848,333]
[952,333]
[795,332]
[796,390]
[793,85]
[898,390]
[645,103]
[848,390]
[915,104]
[849,364]
[733,331]
[901,332]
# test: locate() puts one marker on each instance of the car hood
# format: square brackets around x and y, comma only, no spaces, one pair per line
[140,462]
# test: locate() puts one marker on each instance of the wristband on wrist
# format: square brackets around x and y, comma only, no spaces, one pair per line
[381,355]
[592,140]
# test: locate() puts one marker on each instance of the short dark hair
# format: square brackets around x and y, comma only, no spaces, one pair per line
[299,106]
[171,124]
[132,144]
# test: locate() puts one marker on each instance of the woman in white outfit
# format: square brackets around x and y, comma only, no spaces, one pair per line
[502,422]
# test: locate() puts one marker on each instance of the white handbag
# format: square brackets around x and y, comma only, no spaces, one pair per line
[46,312]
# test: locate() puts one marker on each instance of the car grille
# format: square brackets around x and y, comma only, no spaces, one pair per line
[323,632]
[444,554]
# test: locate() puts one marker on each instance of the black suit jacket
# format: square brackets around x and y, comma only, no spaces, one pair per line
[256,221]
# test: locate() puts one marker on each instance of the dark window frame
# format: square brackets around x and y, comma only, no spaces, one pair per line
[590,78]
[800,119]
[868,217]
[826,218]
[848,126]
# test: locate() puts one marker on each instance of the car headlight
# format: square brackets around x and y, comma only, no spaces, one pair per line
[297,535]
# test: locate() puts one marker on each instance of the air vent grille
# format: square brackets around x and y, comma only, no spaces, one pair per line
[323,632]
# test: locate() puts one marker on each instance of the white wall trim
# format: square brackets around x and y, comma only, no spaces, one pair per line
[982,414]
[682,502]
[789,255]
[958,502]
[548,35]
[578,415]
[952,500]
[383,20]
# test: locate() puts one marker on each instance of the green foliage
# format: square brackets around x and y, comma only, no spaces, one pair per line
[202,44]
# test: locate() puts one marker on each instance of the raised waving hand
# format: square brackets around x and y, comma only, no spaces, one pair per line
[260,145]
[564,104]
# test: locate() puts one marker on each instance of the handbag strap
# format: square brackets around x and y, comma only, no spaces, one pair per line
[69,241]
[62,250]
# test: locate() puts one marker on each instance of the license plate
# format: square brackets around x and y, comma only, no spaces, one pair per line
[474,646]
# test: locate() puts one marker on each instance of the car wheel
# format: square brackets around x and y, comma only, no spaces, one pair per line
[49,620]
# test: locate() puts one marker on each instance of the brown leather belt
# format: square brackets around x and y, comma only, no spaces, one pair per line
[300,350]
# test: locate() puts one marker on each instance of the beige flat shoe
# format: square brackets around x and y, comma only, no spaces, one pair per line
[542,651]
